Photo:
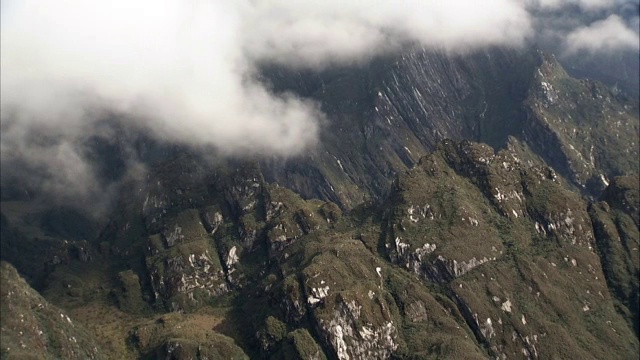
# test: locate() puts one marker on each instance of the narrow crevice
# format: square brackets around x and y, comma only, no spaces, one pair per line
[215,244]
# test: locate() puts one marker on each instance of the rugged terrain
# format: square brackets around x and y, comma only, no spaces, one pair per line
[402,235]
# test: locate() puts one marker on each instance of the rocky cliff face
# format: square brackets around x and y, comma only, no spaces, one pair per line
[397,109]
[462,250]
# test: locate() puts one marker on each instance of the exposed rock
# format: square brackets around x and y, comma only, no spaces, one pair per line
[188,267]
[352,342]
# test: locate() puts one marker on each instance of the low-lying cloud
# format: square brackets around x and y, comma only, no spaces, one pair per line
[611,34]
[176,68]
[312,34]
[185,69]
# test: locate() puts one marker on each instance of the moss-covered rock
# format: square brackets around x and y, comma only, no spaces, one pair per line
[33,328]
[179,336]
[186,270]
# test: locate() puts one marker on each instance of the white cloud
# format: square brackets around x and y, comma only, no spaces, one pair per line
[308,33]
[175,66]
[184,69]
[610,34]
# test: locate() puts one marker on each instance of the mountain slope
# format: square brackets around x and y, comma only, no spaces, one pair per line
[384,116]
[472,254]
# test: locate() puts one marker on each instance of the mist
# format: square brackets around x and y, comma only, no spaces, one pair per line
[185,72]
[608,35]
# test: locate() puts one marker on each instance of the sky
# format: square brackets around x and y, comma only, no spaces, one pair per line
[186,71]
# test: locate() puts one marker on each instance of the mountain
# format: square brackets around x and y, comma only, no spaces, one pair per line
[385,116]
[474,206]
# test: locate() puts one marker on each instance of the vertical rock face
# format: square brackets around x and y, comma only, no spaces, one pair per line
[397,109]
[385,116]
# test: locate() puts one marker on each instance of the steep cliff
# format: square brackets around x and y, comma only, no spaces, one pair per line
[384,116]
